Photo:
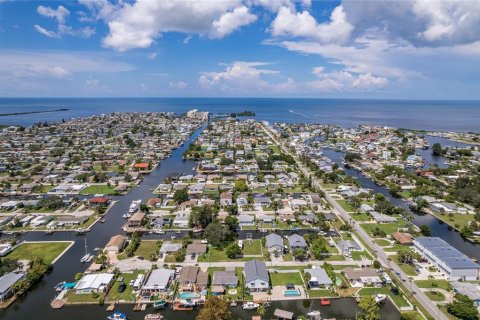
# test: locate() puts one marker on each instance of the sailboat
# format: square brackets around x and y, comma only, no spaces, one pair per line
[87,257]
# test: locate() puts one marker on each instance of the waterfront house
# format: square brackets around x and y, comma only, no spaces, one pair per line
[226,279]
[192,279]
[5,248]
[274,242]
[246,220]
[94,282]
[7,281]
[471,290]
[168,247]
[136,220]
[402,238]
[158,281]
[116,244]
[98,201]
[362,277]
[196,248]
[382,218]
[256,276]
[318,278]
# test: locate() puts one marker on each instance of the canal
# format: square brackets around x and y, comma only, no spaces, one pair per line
[36,303]
[438,227]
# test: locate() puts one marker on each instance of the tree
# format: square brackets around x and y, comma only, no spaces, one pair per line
[232,223]
[217,234]
[201,216]
[299,254]
[370,309]
[215,308]
[463,308]
[437,149]
[180,195]
[425,230]
[233,251]
[240,186]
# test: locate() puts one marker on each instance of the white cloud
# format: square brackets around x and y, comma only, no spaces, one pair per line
[232,21]
[178,85]
[152,55]
[60,14]
[48,33]
[289,23]
[138,24]
[347,82]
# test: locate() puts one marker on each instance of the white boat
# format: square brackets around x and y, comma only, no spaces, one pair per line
[134,206]
[126,215]
[117,316]
[153,316]
[250,306]
[87,257]
[380,298]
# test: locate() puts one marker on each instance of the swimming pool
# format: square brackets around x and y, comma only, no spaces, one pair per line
[187,295]
[291,293]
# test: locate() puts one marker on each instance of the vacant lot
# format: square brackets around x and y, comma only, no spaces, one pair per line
[48,251]
[281,279]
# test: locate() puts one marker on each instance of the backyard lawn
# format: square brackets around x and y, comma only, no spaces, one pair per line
[252,247]
[398,299]
[215,255]
[145,248]
[82,298]
[360,255]
[361,216]
[48,251]
[321,293]
[407,268]
[281,279]
[382,242]
[345,205]
[98,189]
[128,294]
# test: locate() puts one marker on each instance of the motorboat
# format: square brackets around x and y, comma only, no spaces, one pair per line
[153,316]
[314,314]
[126,216]
[117,316]
[134,206]
[59,286]
[324,302]
[379,298]
[250,305]
[160,304]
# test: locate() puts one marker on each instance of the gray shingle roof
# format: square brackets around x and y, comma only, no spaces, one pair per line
[255,269]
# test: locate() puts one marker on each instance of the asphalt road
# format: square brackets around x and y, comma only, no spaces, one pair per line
[429,305]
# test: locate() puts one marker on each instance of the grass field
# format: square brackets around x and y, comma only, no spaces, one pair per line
[81,298]
[253,247]
[321,293]
[382,242]
[433,283]
[48,251]
[398,299]
[407,268]
[128,294]
[281,279]
[215,255]
[435,295]
[98,189]
[145,248]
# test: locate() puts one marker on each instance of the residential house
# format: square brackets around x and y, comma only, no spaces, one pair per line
[256,276]
[136,220]
[94,282]
[274,242]
[318,278]
[362,277]
[296,241]
[7,281]
[158,281]
[116,244]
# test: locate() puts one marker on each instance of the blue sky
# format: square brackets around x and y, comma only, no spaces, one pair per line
[408,49]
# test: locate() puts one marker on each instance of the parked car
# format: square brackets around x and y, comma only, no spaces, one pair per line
[122,287]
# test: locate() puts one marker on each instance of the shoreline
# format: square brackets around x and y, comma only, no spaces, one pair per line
[31,112]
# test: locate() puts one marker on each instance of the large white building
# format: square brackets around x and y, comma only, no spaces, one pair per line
[455,264]
[94,282]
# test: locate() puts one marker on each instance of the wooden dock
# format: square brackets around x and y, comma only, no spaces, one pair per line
[58,303]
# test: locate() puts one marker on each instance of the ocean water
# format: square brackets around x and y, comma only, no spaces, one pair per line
[426,115]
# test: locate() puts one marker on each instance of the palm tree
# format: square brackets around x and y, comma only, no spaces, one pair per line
[261,310]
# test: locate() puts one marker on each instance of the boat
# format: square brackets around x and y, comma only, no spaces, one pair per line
[183,305]
[59,286]
[160,304]
[102,220]
[324,302]
[134,206]
[117,316]
[379,298]
[153,316]
[87,257]
[314,315]
[126,216]
[250,305]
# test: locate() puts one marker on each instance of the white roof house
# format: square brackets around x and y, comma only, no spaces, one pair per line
[95,282]
[158,280]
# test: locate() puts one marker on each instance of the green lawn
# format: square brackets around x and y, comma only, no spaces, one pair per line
[361,216]
[320,293]
[398,299]
[81,298]
[98,189]
[215,255]
[433,283]
[397,247]
[382,242]
[457,220]
[407,268]
[128,294]
[48,251]
[288,257]
[145,248]
[281,279]
[359,255]
[411,315]
[345,205]
[252,247]
[388,228]
[435,295]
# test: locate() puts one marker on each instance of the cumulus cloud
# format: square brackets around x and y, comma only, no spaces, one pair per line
[346,81]
[296,24]
[138,24]
[60,15]
[178,85]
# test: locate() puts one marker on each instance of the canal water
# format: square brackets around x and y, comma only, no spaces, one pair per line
[438,227]
[36,303]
